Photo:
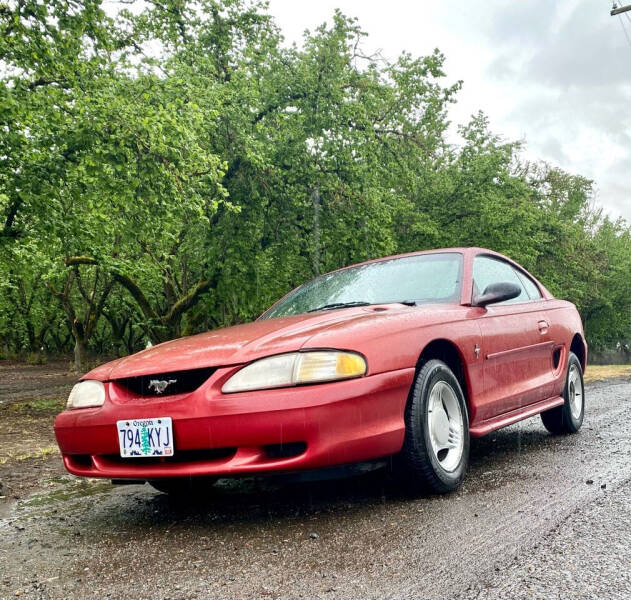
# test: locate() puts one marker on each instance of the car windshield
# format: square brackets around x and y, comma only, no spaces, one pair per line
[424,278]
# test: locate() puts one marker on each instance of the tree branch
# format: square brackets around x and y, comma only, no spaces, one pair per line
[7,230]
[272,107]
[42,81]
[127,282]
[186,302]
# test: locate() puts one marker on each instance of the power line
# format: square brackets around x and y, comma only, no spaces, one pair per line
[625,30]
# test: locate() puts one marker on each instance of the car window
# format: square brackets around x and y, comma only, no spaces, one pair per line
[424,278]
[488,270]
[530,285]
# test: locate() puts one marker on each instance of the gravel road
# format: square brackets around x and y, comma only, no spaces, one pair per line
[539,516]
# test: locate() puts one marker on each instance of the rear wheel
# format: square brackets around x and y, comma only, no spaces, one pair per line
[568,417]
[184,486]
[435,452]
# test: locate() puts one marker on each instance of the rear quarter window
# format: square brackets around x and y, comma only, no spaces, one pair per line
[531,287]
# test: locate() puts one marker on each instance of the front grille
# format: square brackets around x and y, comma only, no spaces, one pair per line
[166,384]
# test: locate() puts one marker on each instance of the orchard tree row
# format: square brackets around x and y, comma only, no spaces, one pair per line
[168,166]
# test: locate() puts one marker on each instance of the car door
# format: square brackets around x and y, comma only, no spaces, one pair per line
[516,344]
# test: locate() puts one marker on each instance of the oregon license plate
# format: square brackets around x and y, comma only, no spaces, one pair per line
[145,437]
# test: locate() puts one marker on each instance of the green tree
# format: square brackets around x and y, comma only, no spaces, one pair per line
[179,167]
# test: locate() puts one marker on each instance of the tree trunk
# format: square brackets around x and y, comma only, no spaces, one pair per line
[80,355]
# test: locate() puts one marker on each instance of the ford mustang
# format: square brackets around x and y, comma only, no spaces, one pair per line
[404,357]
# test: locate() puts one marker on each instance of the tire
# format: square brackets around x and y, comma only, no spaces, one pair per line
[192,487]
[435,453]
[568,417]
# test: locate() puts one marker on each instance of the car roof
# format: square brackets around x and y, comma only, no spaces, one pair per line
[461,250]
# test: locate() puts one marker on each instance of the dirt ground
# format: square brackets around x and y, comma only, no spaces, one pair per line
[539,516]
[30,397]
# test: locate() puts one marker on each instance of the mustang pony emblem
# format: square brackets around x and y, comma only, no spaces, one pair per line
[159,385]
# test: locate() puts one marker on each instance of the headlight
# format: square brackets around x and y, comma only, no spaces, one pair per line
[296,368]
[85,394]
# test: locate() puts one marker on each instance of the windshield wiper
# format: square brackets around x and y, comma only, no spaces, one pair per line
[361,303]
[340,305]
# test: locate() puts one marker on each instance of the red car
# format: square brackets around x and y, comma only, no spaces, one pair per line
[405,357]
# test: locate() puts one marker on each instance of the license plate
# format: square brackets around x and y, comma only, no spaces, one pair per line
[145,437]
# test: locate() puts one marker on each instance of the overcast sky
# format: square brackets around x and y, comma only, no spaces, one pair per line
[556,74]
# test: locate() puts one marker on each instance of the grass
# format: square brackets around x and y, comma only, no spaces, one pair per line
[36,358]
[599,372]
[39,453]
[42,406]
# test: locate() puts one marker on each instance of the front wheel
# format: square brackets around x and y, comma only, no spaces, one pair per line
[435,451]
[568,417]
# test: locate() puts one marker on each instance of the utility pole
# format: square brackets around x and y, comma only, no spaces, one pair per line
[315,197]
[617,10]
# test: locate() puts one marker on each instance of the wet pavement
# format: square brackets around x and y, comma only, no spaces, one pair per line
[539,516]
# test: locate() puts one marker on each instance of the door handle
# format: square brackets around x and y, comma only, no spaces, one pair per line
[543,326]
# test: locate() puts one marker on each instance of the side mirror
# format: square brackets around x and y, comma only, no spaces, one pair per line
[497,292]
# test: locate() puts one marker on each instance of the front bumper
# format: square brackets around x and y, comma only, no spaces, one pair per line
[219,434]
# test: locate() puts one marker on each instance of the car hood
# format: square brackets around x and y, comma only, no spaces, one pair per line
[224,347]
[243,343]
